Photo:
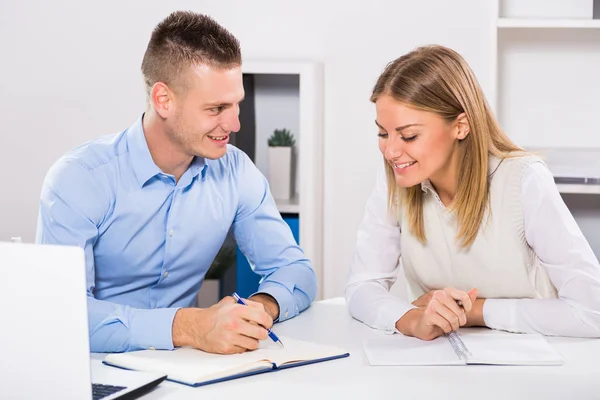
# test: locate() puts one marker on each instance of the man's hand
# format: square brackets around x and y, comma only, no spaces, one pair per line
[225,328]
[268,302]
[438,313]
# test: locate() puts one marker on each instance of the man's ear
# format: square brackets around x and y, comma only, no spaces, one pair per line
[162,99]
[463,127]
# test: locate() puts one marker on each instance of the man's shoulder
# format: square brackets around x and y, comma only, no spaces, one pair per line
[97,152]
[80,164]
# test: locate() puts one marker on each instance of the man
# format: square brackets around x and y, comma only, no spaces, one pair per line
[153,204]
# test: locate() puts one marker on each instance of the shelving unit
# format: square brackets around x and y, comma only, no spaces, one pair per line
[546,80]
[545,90]
[291,206]
[550,23]
[573,188]
[289,95]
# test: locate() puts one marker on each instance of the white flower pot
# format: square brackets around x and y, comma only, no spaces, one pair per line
[280,172]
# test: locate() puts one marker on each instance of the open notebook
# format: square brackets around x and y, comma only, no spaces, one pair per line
[197,368]
[497,348]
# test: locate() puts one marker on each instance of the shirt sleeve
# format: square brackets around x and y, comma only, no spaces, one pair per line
[267,242]
[72,206]
[376,265]
[565,254]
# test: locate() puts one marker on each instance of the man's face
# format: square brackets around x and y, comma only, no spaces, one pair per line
[206,111]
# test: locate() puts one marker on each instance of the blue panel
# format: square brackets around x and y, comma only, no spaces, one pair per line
[246,281]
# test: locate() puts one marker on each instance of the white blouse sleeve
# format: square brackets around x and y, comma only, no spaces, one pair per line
[375,265]
[553,234]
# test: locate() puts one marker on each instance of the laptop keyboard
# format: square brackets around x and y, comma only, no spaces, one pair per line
[100,391]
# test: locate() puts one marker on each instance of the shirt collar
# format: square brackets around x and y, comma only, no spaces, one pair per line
[141,159]
[197,166]
[139,153]
[426,186]
[493,164]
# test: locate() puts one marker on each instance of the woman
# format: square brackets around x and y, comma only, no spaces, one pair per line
[476,223]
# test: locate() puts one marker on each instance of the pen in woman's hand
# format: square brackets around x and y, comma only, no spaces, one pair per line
[272,334]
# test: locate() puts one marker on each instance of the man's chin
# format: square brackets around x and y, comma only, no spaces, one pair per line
[215,154]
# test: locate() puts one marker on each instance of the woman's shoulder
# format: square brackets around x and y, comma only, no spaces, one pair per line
[516,162]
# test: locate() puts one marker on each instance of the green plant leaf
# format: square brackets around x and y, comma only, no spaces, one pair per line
[281,138]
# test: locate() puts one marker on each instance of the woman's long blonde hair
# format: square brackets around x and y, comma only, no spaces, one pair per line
[437,79]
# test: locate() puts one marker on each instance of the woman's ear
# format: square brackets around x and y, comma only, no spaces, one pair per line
[463,127]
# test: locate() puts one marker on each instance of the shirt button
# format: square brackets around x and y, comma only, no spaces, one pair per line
[166,274]
[151,348]
[286,314]
[171,232]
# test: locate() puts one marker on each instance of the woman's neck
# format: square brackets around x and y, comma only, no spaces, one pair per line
[445,181]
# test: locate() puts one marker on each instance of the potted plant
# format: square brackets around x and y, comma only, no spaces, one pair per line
[281,145]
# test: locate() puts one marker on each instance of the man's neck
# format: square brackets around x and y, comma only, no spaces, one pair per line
[165,154]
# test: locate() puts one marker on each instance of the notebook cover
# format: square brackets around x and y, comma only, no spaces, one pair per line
[244,374]
[318,360]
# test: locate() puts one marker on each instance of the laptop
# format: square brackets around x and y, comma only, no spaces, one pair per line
[44,340]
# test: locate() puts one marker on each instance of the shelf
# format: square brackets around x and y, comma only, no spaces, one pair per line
[548,23]
[569,188]
[290,206]
[575,170]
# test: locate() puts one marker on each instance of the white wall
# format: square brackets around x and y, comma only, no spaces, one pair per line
[70,72]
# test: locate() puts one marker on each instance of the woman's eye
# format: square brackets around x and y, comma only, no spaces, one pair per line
[382,135]
[409,139]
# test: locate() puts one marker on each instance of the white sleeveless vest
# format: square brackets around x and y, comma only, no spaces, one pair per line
[499,263]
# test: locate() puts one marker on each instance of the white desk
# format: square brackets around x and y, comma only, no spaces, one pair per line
[328,322]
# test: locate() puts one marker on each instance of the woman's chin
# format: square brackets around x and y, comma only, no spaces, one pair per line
[404,183]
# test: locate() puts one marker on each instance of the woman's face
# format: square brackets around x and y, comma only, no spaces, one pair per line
[418,145]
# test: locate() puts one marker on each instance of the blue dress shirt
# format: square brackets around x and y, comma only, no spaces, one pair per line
[149,240]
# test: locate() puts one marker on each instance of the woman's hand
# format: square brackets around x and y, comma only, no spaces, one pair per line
[438,313]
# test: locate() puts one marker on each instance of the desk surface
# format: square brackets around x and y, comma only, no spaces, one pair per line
[328,322]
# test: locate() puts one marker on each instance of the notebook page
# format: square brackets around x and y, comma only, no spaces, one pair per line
[406,350]
[510,349]
[296,351]
[189,365]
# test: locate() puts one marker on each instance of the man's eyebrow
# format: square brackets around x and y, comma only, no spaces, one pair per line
[217,104]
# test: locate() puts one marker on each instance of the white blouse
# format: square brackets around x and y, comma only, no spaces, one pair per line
[550,230]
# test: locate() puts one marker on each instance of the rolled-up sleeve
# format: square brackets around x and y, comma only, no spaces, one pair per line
[267,242]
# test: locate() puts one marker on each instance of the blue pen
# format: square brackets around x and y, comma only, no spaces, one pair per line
[272,334]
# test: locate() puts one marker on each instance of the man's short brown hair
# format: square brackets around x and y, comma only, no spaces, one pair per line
[184,39]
